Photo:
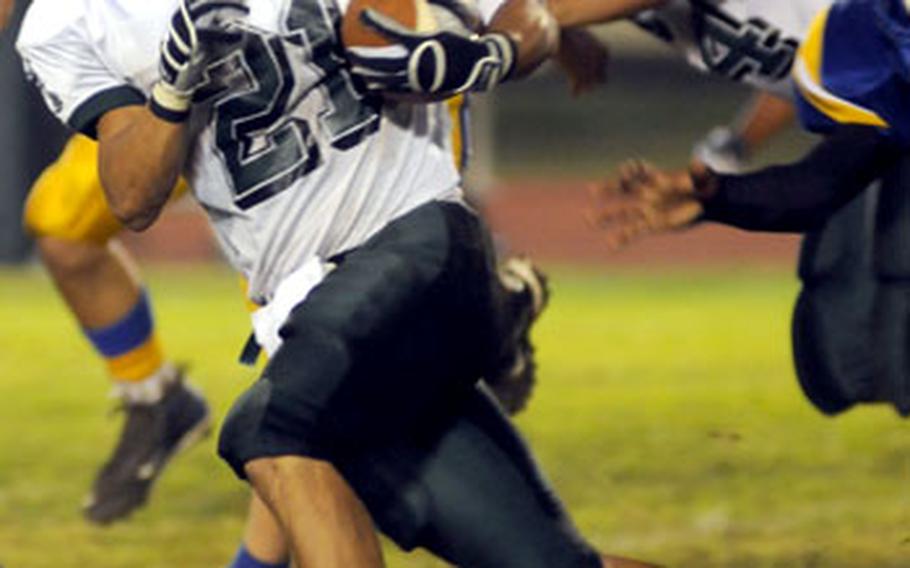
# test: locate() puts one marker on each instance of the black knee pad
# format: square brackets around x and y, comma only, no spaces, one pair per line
[835,361]
[234,440]
[285,412]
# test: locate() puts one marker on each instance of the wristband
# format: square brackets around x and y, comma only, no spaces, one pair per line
[169,105]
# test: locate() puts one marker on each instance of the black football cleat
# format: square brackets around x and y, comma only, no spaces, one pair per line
[512,380]
[152,434]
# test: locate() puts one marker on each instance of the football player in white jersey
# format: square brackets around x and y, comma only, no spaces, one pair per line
[719,37]
[344,213]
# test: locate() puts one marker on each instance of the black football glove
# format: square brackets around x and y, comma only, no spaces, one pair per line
[434,63]
[197,28]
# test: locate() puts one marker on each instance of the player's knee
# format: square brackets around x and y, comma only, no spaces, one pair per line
[70,258]
[238,441]
[267,472]
[269,420]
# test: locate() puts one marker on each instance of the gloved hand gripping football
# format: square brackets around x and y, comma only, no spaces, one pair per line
[431,63]
[197,28]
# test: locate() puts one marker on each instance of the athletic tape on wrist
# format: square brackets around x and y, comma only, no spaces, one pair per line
[169,105]
[504,48]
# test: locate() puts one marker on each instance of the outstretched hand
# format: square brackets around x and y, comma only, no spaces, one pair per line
[643,200]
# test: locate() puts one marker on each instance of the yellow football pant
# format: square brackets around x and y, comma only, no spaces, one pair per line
[68,203]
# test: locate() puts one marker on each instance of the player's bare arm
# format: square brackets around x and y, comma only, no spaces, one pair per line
[572,13]
[729,148]
[763,117]
[142,149]
[643,200]
[6,10]
[532,29]
[140,159]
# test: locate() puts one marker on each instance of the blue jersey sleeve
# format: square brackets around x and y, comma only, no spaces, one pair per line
[848,72]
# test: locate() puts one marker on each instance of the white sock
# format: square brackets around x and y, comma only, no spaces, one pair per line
[149,390]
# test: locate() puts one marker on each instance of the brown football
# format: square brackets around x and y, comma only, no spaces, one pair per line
[412,14]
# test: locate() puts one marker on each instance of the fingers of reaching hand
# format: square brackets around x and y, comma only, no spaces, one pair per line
[640,177]
[621,214]
[640,201]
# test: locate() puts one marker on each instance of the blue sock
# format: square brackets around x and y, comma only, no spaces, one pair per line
[246,560]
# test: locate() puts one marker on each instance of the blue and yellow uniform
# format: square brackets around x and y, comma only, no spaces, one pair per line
[849,328]
[853,68]
[68,203]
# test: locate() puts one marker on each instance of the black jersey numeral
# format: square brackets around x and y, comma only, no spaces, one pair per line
[263,143]
[739,49]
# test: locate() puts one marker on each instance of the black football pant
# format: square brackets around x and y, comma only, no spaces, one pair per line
[377,375]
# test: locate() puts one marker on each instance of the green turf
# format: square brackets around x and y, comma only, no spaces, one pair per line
[667,417]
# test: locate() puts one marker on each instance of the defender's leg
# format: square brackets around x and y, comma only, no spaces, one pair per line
[68,215]
[99,283]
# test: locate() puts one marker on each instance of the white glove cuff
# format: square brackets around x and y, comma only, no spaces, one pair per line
[169,104]
[503,48]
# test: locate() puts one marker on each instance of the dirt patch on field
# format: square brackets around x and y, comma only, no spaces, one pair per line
[545,220]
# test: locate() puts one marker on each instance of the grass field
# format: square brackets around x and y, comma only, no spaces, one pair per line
[667,417]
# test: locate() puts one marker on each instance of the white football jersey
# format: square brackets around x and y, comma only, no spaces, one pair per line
[292,162]
[753,41]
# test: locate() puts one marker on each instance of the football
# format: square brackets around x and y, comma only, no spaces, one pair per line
[412,14]
[418,15]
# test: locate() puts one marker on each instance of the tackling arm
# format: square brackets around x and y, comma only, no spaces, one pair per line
[572,13]
[800,196]
[531,28]
[765,116]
